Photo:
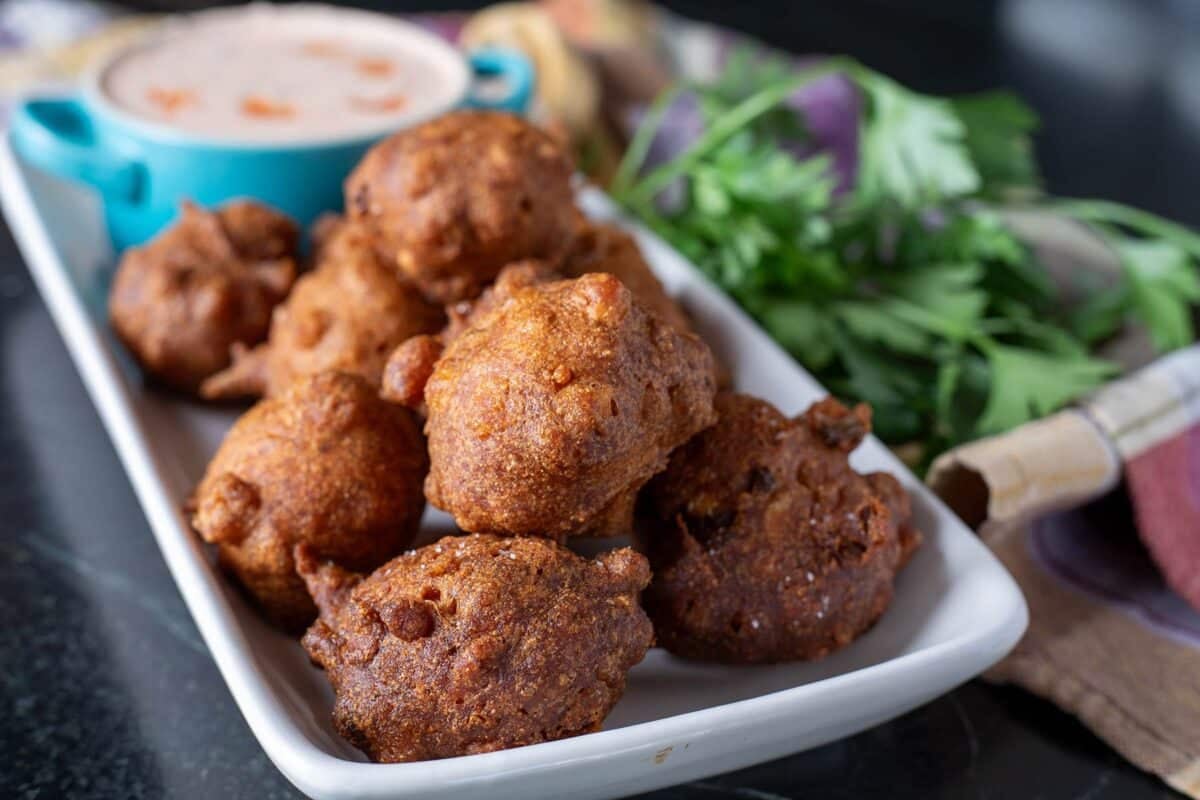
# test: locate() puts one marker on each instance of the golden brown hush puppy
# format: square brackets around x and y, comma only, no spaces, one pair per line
[207,283]
[546,415]
[348,314]
[328,463]
[476,643]
[450,202]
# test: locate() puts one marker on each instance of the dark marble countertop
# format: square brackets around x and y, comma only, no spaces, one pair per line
[108,691]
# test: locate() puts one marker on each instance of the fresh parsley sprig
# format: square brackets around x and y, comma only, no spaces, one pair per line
[911,291]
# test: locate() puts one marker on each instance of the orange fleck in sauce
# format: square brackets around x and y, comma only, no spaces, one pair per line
[375,67]
[262,108]
[322,48]
[380,105]
[170,100]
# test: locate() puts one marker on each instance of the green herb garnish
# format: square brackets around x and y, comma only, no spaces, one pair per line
[911,291]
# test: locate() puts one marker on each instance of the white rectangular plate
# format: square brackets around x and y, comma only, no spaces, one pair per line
[956,610]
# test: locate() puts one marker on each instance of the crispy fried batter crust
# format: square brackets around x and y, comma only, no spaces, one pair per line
[549,413]
[606,248]
[411,364]
[327,463]
[597,248]
[476,643]
[348,314]
[209,282]
[766,546]
[451,201]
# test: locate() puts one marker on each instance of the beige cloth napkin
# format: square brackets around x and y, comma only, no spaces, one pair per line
[1112,637]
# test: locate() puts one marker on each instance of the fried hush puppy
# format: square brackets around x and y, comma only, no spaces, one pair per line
[476,643]
[600,247]
[327,463]
[548,414]
[450,202]
[765,545]
[207,283]
[597,248]
[348,314]
[409,366]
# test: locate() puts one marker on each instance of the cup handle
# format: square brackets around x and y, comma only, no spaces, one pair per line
[57,136]
[514,68]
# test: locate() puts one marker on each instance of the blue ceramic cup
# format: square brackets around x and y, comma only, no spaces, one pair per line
[143,169]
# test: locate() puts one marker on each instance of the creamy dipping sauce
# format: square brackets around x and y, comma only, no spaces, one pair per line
[272,74]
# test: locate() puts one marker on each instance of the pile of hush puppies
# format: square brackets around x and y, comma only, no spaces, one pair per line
[464,337]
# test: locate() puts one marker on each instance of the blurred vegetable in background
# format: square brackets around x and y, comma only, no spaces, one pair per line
[864,226]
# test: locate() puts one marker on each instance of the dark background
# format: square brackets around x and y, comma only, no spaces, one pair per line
[107,690]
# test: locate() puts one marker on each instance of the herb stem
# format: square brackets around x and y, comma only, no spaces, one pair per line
[639,146]
[728,125]
[1102,211]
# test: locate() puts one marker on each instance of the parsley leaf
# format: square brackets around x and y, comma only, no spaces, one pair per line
[1100,314]
[802,328]
[1026,384]
[1163,286]
[1159,260]
[893,393]
[909,292]
[877,322]
[913,149]
[948,291]
[998,129]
